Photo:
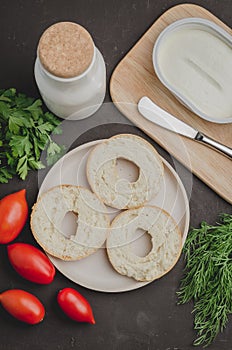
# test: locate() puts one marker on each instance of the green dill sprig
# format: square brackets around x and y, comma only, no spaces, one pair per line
[24,134]
[208,277]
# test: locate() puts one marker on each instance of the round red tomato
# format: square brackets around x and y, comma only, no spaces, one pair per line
[13,215]
[75,305]
[23,305]
[31,263]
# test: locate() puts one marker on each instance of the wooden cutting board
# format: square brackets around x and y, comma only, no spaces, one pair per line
[134,77]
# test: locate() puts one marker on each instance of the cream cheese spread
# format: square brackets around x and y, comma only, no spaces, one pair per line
[197,65]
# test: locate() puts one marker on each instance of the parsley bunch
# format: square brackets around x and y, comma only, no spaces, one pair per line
[208,277]
[24,133]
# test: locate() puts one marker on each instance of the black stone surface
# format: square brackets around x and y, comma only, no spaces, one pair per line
[148,318]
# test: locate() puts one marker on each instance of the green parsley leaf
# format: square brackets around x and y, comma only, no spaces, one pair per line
[14,124]
[54,152]
[20,145]
[25,132]
[35,109]
[4,110]
[22,168]
[34,164]
[45,128]
[5,175]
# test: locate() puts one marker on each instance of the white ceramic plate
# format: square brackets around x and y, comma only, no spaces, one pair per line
[95,272]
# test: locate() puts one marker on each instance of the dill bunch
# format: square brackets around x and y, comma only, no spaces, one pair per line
[208,277]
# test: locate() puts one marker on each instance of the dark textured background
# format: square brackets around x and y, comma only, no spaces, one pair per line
[143,319]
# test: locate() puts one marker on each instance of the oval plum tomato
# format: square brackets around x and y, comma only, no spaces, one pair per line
[31,263]
[13,215]
[75,305]
[23,305]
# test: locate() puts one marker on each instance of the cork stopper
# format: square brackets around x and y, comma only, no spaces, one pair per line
[66,49]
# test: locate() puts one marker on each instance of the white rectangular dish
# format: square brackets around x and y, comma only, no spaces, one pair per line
[192,57]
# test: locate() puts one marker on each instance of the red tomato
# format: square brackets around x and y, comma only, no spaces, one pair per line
[22,305]
[75,305]
[13,215]
[31,263]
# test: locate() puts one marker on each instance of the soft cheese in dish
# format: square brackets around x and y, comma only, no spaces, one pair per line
[196,64]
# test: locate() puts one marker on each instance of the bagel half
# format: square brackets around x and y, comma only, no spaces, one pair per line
[49,212]
[103,177]
[166,242]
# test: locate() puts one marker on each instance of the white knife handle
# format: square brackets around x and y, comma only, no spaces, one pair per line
[214,144]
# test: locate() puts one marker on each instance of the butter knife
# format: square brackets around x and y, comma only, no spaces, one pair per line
[157,115]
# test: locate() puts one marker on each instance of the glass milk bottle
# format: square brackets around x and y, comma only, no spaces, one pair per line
[70,71]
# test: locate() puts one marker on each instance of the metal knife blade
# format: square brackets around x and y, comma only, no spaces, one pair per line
[157,115]
[160,117]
